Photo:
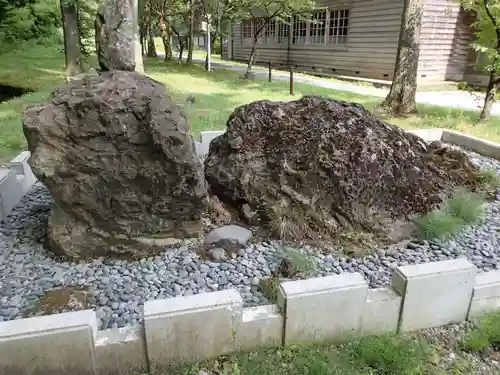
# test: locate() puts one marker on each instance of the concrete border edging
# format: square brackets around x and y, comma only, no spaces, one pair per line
[336,301]
[58,344]
[191,328]
[434,294]
[186,329]
[486,294]
[121,351]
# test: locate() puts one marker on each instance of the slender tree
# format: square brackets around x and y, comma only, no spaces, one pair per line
[192,15]
[401,99]
[222,12]
[139,64]
[72,40]
[181,41]
[487,42]
[165,11]
[151,41]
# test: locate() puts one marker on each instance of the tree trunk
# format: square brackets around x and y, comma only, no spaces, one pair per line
[189,59]
[182,43]
[72,47]
[212,45]
[144,48]
[251,59]
[143,39]
[151,43]
[139,64]
[401,99]
[490,96]
[165,38]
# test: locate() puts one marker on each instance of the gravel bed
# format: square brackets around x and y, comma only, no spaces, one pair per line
[118,289]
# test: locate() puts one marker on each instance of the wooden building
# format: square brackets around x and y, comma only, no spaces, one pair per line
[359,38]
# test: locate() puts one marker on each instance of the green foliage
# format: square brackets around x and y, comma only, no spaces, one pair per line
[485,335]
[377,355]
[39,21]
[462,86]
[28,19]
[303,264]
[389,355]
[486,30]
[86,17]
[465,206]
[436,224]
[488,179]
[462,208]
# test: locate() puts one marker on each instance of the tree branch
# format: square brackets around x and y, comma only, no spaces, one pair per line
[495,23]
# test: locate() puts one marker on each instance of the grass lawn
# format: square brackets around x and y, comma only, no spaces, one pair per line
[216,95]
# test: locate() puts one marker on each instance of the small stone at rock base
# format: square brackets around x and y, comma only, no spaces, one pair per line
[217,254]
[229,232]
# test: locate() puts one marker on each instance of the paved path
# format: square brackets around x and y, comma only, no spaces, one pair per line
[449,99]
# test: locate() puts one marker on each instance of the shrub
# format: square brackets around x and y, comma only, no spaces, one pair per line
[462,86]
[488,178]
[301,261]
[466,206]
[436,224]
[485,335]
[463,207]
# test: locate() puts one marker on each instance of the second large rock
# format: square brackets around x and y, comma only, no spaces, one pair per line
[316,168]
[117,156]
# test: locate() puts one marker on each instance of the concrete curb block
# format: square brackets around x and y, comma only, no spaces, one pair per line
[381,313]
[337,303]
[191,328]
[434,294]
[121,351]
[486,294]
[16,179]
[49,344]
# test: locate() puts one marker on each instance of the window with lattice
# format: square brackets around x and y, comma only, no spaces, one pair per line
[283,32]
[317,28]
[299,27]
[339,25]
[247,31]
[260,28]
[270,33]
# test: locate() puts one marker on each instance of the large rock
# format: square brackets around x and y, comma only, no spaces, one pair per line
[115,35]
[120,163]
[315,168]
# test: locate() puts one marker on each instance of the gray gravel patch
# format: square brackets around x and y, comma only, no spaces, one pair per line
[119,288]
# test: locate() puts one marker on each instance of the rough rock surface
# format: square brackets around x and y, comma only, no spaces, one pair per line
[120,163]
[115,35]
[319,167]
